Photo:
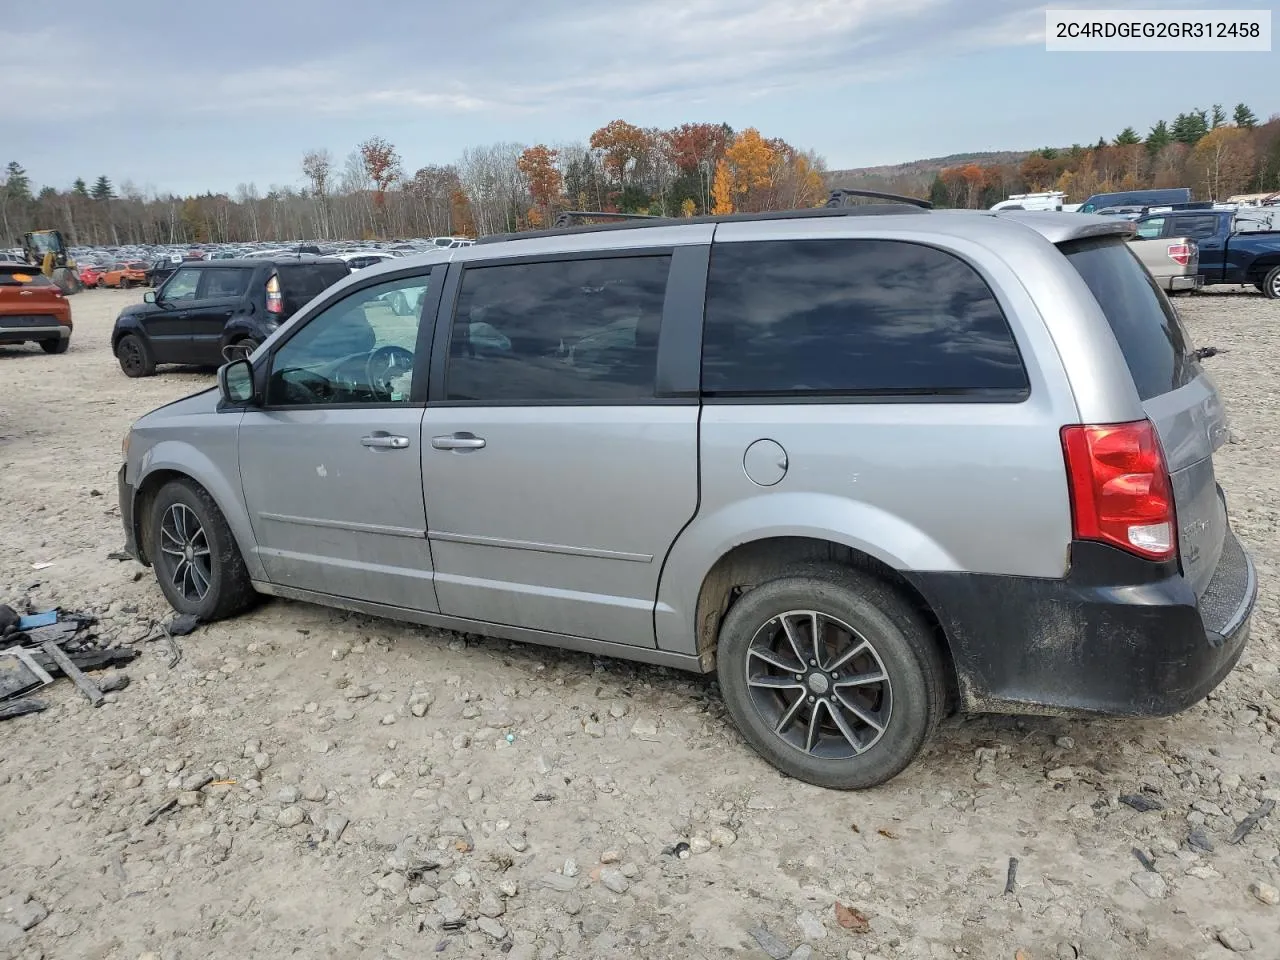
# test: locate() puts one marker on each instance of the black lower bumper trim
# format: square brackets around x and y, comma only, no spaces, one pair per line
[125,492]
[1136,646]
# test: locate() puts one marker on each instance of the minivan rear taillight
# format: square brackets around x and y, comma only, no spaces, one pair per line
[1120,488]
[1180,253]
[275,299]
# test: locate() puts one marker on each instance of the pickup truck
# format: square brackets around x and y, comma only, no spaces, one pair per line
[1174,262]
[1230,252]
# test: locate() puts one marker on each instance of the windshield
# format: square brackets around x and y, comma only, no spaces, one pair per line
[44,243]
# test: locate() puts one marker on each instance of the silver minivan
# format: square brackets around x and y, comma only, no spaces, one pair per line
[868,464]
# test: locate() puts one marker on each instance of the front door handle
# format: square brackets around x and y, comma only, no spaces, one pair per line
[383,440]
[458,441]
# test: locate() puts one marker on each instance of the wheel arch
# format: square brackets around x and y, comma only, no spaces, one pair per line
[1262,265]
[749,564]
[173,460]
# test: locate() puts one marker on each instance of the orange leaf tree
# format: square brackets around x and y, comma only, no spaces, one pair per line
[538,165]
[623,145]
[382,164]
[722,189]
[751,159]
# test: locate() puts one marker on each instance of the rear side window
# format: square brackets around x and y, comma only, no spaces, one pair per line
[880,318]
[566,330]
[224,284]
[1197,228]
[300,282]
[1155,346]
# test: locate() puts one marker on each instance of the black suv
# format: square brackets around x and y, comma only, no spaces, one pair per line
[210,311]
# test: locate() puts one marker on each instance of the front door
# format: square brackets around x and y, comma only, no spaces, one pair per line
[555,480]
[330,465]
[221,290]
[168,327]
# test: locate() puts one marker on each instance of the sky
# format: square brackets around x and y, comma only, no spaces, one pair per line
[206,95]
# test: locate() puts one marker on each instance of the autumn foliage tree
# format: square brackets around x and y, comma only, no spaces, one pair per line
[542,176]
[622,146]
[1223,162]
[382,165]
[722,189]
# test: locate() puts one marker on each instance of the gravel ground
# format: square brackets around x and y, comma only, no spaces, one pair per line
[399,791]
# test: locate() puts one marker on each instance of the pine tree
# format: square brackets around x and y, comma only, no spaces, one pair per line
[1127,137]
[103,190]
[1244,117]
[1219,117]
[1189,128]
[79,188]
[17,185]
[1158,138]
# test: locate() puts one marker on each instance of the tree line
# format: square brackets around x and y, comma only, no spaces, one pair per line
[502,187]
[1215,154]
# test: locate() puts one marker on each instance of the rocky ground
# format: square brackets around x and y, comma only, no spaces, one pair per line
[383,791]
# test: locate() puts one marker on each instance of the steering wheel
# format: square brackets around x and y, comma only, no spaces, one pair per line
[386,364]
[318,390]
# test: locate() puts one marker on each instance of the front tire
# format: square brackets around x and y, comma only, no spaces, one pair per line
[125,283]
[55,346]
[197,563]
[1271,284]
[871,683]
[135,359]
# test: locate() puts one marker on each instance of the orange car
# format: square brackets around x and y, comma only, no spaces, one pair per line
[33,309]
[126,275]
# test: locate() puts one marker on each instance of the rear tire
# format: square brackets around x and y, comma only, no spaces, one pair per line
[1271,284]
[125,283]
[135,359]
[55,346]
[866,732]
[197,563]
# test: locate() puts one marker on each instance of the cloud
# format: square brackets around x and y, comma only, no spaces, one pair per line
[497,57]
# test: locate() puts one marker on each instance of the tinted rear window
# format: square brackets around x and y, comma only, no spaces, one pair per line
[17,275]
[1155,346]
[299,282]
[854,317]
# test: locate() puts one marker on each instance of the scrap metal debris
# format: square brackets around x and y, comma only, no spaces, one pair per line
[1144,859]
[1251,821]
[1141,802]
[20,673]
[1011,880]
[86,686]
[20,708]
[43,645]
[160,811]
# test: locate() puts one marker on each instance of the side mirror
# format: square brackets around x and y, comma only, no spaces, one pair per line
[149,297]
[235,382]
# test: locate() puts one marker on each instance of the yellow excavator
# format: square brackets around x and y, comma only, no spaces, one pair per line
[46,250]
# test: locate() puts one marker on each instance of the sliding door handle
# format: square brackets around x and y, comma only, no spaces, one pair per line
[458,441]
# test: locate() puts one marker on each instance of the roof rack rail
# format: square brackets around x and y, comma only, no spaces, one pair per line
[566,218]
[840,194]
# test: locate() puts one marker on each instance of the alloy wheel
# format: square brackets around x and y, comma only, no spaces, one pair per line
[131,355]
[819,684]
[188,560]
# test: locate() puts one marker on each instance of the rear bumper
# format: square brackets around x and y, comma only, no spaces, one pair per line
[1178,284]
[31,332]
[1118,636]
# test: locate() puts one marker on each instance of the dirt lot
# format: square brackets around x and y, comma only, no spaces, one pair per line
[502,763]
